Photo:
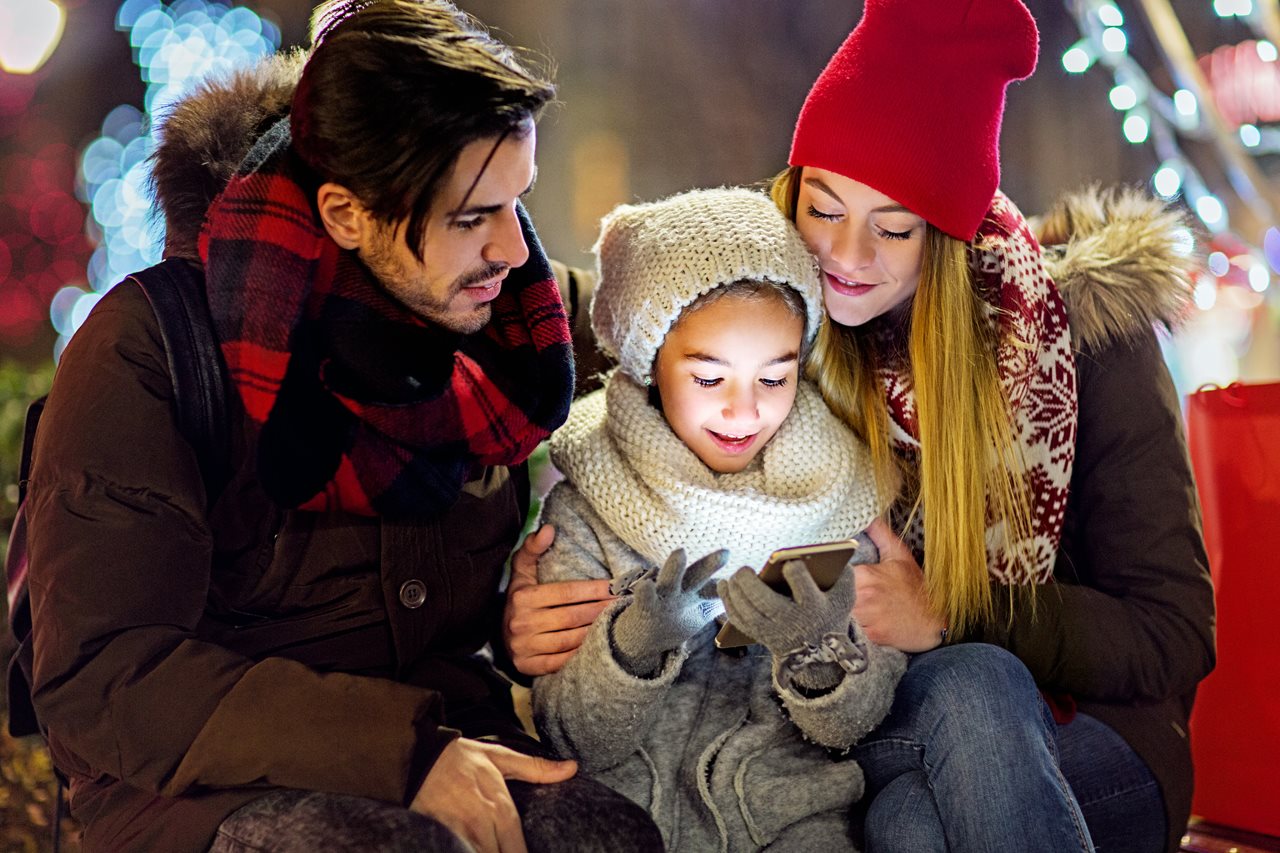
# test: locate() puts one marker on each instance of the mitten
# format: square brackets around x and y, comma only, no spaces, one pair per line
[808,632]
[667,607]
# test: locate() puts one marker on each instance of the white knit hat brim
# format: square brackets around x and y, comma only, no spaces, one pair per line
[656,259]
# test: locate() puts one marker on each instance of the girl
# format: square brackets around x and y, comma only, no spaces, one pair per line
[705,442]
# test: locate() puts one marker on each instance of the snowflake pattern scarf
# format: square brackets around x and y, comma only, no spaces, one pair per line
[361,406]
[1037,372]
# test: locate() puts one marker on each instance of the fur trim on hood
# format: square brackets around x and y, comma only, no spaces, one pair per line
[204,137]
[1122,260]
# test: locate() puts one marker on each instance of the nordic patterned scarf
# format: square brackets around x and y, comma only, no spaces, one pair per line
[1037,373]
[360,405]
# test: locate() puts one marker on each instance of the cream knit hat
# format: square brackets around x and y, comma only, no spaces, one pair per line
[655,259]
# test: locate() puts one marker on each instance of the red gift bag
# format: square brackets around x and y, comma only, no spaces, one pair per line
[1234,438]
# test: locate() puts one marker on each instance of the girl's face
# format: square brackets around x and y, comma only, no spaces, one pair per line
[869,246]
[727,376]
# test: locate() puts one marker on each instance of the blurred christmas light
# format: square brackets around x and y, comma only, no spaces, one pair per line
[1266,50]
[175,47]
[1185,102]
[1259,277]
[1233,8]
[1250,135]
[1110,15]
[1077,59]
[1166,181]
[1136,128]
[1210,210]
[1205,294]
[29,32]
[1271,247]
[1114,40]
[1218,263]
[1123,97]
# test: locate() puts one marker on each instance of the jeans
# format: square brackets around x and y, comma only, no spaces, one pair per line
[1120,798]
[967,761]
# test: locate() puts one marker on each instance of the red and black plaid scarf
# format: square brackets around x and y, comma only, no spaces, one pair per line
[360,405]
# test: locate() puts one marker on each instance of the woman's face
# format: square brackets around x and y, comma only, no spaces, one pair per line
[727,376]
[870,247]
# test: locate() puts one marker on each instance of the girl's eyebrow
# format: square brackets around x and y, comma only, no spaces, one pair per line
[821,185]
[711,359]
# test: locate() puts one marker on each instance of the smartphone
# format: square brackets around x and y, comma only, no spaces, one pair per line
[825,562]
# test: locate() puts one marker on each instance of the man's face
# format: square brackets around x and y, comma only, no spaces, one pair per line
[467,251]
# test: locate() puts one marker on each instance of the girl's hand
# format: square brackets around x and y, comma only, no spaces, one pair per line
[891,605]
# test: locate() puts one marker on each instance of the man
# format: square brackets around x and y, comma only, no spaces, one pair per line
[290,663]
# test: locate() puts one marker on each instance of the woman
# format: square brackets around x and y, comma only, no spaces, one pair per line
[1025,398]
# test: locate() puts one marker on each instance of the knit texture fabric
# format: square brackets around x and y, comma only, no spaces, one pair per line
[655,259]
[1037,373]
[813,481]
[911,104]
[360,405]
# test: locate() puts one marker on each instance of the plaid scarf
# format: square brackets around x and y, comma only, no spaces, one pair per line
[1037,373]
[360,405]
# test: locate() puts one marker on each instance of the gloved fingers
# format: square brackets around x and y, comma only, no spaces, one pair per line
[731,596]
[751,592]
[644,595]
[671,572]
[804,590]
[867,551]
[710,591]
[696,576]
[843,592]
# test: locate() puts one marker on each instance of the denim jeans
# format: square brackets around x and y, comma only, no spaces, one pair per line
[576,815]
[967,761]
[1118,794]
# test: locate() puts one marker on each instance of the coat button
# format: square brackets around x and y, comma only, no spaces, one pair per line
[413,593]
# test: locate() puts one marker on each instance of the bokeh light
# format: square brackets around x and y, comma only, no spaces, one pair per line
[175,46]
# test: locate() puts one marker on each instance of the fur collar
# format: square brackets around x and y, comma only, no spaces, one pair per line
[1122,260]
[206,135]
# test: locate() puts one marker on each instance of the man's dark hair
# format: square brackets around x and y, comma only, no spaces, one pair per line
[392,93]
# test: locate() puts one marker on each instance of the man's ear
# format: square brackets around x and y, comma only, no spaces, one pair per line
[344,217]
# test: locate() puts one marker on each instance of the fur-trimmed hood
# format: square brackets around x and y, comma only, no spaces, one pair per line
[1122,259]
[206,135]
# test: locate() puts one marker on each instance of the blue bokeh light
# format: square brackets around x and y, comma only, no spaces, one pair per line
[176,46]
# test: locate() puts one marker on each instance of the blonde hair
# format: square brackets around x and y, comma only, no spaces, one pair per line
[970,463]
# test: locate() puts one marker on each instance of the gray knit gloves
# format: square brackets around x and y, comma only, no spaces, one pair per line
[808,633]
[668,606]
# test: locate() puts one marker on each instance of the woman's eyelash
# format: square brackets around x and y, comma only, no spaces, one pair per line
[466,224]
[893,235]
[818,214]
[774,383]
[706,383]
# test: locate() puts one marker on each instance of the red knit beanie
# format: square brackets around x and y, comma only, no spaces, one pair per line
[910,104]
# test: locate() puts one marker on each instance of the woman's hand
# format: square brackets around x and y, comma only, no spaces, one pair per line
[891,605]
[545,623]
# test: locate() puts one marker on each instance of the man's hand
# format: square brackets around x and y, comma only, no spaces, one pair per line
[466,791]
[544,624]
[891,605]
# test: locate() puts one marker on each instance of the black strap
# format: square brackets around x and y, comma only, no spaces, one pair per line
[175,289]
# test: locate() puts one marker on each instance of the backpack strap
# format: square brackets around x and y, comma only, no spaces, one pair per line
[175,289]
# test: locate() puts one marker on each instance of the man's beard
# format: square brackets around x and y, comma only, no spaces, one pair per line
[408,288]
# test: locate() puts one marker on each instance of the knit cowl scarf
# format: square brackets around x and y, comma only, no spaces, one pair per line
[1037,373]
[358,404]
[813,482]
